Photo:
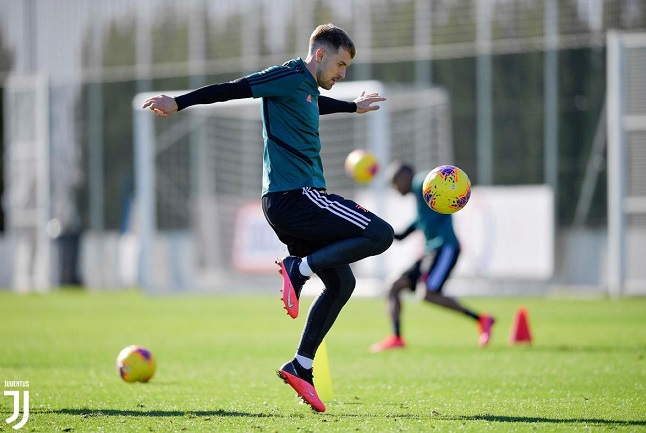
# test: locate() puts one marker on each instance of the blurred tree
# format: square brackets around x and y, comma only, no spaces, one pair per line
[117,122]
[6,64]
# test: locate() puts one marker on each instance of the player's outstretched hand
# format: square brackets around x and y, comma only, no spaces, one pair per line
[364,102]
[161,105]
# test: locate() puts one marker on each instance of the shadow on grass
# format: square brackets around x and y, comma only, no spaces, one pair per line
[230,413]
[158,413]
[530,419]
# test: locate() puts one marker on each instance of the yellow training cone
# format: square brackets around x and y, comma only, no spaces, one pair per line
[322,378]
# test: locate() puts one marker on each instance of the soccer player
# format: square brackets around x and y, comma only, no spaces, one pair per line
[441,253]
[324,232]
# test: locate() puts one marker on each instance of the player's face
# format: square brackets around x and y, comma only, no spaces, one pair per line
[402,183]
[331,67]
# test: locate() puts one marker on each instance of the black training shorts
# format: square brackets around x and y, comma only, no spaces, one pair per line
[434,268]
[308,219]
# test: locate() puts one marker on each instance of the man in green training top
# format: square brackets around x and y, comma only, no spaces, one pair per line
[441,252]
[324,232]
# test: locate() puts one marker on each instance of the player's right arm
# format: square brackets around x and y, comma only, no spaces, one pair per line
[410,229]
[165,106]
[161,105]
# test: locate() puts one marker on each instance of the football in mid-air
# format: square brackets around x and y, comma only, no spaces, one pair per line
[361,165]
[136,364]
[446,189]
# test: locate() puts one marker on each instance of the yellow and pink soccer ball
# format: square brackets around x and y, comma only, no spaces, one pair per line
[361,165]
[446,189]
[136,364]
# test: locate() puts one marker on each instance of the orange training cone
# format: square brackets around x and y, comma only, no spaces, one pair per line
[520,329]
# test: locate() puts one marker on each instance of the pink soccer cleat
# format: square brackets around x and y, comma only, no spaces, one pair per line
[390,342]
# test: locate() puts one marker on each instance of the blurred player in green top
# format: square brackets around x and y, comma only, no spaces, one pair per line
[441,253]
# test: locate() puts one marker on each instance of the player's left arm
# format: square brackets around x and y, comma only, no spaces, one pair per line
[361,105]
[329,105]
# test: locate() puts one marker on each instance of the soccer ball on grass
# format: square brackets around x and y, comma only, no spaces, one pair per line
[446,189]
[136,364]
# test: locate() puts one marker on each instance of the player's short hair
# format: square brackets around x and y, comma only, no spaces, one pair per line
[397,168]
[333,37]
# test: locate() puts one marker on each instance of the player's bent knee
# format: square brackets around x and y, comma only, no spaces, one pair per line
[347,283]
[400,284]
[348,286]
[382,235]
[432,296]
[340,280]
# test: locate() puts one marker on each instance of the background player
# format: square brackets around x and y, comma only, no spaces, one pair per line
[441,253]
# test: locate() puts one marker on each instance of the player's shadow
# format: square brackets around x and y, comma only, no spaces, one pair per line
[230,413]
[432,415]
[159,413]
[530,419]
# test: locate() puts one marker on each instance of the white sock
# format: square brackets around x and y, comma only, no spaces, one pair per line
[306,363]
[304,268]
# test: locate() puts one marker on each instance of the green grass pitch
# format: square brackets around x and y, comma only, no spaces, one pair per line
[217,355]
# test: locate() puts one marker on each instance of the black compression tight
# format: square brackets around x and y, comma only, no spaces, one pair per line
[339,284]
